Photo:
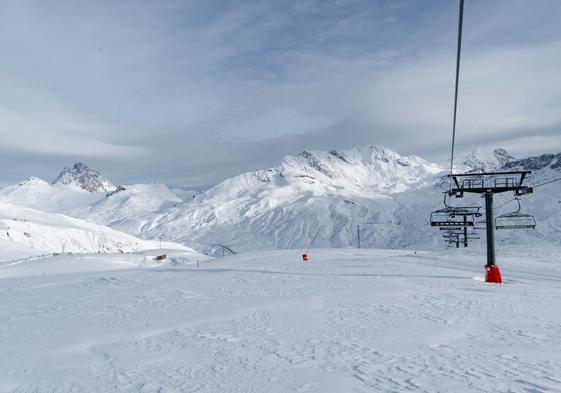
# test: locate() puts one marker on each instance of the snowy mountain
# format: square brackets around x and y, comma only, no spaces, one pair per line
[41,232]
[486,160]
[132,208]
[369,169]
[66,195]
[552,161]
[327,195]
[56,198]
[332,194]
[84,177]
[323,194]
[31,223]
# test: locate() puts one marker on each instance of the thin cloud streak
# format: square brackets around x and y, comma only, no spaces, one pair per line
[34,121]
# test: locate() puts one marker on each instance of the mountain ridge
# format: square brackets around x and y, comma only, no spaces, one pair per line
[85,178]
[323,194]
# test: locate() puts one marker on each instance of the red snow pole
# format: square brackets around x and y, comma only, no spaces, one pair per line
[305,256]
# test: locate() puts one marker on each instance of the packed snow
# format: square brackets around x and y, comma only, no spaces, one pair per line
[39,194]
[30,232]
[133,208]
[102,292]
[346,321]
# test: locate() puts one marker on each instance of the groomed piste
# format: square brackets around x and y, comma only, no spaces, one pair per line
[344,321]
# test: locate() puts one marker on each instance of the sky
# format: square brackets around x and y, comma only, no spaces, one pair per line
[188,93]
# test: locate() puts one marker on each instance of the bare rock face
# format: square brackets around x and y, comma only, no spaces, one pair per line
[84,177]
[552,161]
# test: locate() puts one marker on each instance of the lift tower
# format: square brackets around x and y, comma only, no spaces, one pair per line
[488,184]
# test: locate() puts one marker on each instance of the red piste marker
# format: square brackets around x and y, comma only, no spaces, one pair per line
[493,274]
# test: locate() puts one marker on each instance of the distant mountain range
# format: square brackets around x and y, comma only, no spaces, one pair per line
[323,194]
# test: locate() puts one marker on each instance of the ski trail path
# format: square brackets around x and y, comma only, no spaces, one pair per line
[347,321]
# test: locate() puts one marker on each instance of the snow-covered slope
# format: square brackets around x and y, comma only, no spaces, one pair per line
[347,321]
[486,160]
[57,198]
[325,195]
[366,169]
[74,188]
[334,193]
[119,206]
[38,232]
[544,203]
[132,208]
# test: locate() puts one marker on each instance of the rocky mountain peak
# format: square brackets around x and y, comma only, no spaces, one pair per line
[552,161]
[367,168]
[487,160]
[84,177]
[380,153]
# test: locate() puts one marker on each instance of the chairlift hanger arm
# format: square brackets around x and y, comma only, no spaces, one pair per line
[519,207]
[455,180]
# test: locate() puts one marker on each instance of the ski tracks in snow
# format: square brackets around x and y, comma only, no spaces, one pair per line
[348,321]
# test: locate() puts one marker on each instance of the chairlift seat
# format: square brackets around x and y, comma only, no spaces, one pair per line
[515,221]
[454,217]
[451,224]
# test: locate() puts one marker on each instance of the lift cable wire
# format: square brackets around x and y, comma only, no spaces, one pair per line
[460,23]
[313,241]
[504,204]
[538,185]
[486,184]
[547,182]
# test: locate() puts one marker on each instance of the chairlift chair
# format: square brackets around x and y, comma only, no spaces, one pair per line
[451,229]
[515,220]
[448,218]
[454,216]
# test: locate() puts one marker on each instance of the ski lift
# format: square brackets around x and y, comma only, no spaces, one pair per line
[472,236]
[451,236]
[454,216]
[515,220]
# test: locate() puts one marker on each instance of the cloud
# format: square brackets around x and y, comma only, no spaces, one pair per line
[188,93]
[503,92]
[534,145]
[32,120]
